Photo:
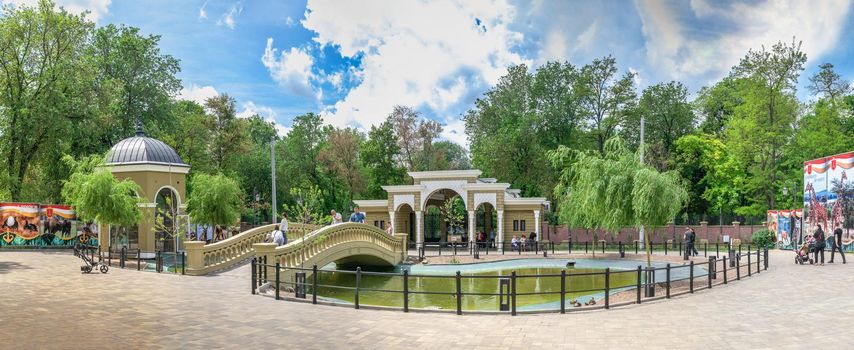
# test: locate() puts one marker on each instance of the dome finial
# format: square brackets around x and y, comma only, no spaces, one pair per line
[139,131]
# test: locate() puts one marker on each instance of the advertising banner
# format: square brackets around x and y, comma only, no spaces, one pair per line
[20,223]
[50,225]
[828,195]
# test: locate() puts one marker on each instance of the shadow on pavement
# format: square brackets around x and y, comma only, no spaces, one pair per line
[8,266]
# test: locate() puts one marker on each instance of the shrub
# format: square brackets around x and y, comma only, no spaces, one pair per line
[764,238]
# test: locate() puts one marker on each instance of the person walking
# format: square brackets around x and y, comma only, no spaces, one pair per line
[693,241]
[686,237]
[336,217]
[357,216]
[283,227]
[837,243]
[819,245]
[278,238]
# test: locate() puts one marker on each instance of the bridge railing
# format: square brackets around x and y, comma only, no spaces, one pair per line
[312,248]
[205,258]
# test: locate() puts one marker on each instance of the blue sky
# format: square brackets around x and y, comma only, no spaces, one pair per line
[353,60]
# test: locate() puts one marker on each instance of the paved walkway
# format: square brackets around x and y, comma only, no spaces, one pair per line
[46,303]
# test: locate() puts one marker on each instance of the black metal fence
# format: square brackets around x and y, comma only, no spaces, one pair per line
[569,247]
[140,260]
[646,287]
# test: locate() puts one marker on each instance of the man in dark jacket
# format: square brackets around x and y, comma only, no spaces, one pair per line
[837,243]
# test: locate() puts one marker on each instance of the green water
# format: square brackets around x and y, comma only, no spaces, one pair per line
[583,287]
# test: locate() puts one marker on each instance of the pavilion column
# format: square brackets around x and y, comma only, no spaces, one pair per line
[391,222]
[500,242]
[419,229]
[471,226]
[537,224]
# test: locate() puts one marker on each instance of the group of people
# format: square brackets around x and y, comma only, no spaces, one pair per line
[819,243]
[280,236]
[206,234]
[482,238]
[521,243]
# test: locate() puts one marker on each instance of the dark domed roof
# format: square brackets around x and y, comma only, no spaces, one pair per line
[141,149]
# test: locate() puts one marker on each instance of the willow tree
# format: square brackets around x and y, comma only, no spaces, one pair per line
[95,194]
[215,200]
[614,190]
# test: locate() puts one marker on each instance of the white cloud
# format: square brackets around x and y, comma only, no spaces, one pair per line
[228,17]
[197,93]
[336,79]
[672,47]
[290,21]
[97,8]
[637,77]
[554,48]
[249,109]
[454,130]
[202,13]
[429,55]
[291,69]
[585,40]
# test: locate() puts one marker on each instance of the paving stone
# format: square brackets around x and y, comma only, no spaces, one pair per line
[48,304]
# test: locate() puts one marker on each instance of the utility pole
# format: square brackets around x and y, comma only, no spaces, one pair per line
[642,122]
[273,219]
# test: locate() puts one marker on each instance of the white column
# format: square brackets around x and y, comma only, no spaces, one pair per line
[391,222]
[537,224]
[419,230]
[500,242]
[471,226]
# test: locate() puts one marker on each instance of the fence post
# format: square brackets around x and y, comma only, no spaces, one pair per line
[749,265]
[603,246]
[278,265]
[667,293]
[738,267]
[314,284]
[717,249]
[254,276]
[137,260]
[122,257]
[665,248]
[513,293]
[569,246]
[183,263]
[725,268]
[405,290]
[639,284]
[691,277]
[358,280]
[636,247]
[459,296]
[758,267]
[563,291]
[585,247]
[607,288]
[710,274]
[766,259]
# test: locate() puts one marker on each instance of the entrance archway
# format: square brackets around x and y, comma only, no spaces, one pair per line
[445,217]
[486,217]
[404,221]
[166,214]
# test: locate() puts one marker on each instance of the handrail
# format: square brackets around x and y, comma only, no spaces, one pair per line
[205,258]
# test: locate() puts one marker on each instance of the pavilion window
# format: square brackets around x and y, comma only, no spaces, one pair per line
[522,225]
[515,225]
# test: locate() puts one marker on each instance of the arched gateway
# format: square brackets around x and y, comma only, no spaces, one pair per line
[408,207]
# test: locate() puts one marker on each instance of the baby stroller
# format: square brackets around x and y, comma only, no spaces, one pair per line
[802,254]
[90,262]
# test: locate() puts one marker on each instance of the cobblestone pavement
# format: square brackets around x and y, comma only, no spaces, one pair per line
[46,303]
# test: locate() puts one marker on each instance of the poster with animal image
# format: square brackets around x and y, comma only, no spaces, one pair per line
[58,223]
[20,223]
[829,195]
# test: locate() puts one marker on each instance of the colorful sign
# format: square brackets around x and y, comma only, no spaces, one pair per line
[786,224]
[31,224]
[829,195]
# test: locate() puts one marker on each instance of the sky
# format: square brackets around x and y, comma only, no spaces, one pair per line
[352,61]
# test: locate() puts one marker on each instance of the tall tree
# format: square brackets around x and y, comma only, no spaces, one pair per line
[42,83]
[215,200]
[764,121]
[228,136]
[342,157]
[378,156]
[715,104]
[97,195]
[415,137]
[826,82]
[667,112]
[604,98]
[141,78]
[450,156]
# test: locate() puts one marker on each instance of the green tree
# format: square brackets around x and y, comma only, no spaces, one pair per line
[415,137]
[215,200]
[42,84]
[342,158]
[715,178]
[379,154]
[450,156]
[667,113]
[716,104]
[604,98]
[829,84]
[308,206]
[763,123]
[97,195]
[228,134]
[140,78]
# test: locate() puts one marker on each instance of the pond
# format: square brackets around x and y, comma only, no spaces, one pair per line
[427,283]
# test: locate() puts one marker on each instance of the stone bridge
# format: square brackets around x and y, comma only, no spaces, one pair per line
[204,258]
[351,243]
